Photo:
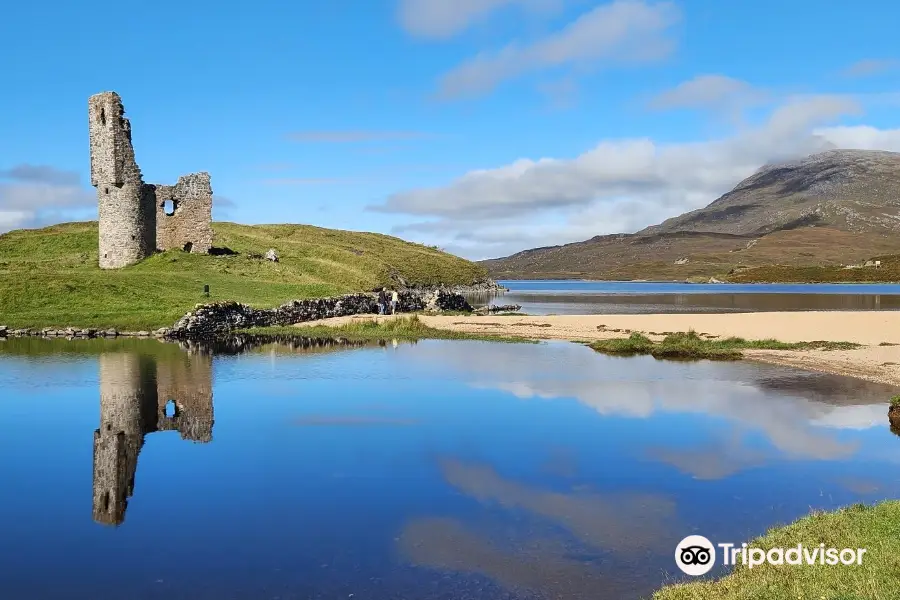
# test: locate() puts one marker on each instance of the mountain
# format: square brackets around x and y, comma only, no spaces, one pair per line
[828,209]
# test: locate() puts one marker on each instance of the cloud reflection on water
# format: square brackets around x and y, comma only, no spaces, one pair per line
[800,414]
[568,527]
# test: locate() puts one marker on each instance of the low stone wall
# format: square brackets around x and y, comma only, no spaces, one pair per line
[216,320]
[219,319]
[78,333]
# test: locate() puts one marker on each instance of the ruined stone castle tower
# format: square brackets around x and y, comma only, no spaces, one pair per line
[127,217]
[136,218]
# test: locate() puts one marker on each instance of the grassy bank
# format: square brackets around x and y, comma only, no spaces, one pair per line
[404,328]
[888,272]
[690,345]
[49,277]
[875,528]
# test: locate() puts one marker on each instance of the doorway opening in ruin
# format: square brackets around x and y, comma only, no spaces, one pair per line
[102,116]
[171,409]
[188,247]
[169,207]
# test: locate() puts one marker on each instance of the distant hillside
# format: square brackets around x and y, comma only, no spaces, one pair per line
[50,276]
[829,209]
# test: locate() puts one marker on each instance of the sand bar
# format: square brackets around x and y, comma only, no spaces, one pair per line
[873,362]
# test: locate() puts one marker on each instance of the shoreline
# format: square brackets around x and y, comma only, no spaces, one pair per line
[878,333]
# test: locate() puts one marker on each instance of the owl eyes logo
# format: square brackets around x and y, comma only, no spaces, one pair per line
[695,555]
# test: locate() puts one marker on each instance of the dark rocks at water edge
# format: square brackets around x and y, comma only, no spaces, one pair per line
[77,333]
[894,416]
[219,319]
[240,343]
[476,288]
[498,309]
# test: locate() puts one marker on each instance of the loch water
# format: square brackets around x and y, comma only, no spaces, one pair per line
[438,469]
[543,297]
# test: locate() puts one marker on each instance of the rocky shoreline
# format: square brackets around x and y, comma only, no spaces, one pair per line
[485,286]
[219,319]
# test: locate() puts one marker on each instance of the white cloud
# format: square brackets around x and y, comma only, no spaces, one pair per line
[713,92]
[622,185]
[625,31]
[355,136]
[37,195]
[441,19]
[871,66]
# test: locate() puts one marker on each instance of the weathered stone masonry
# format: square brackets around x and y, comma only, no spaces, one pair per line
[183,213]
[138,218]
[127,219]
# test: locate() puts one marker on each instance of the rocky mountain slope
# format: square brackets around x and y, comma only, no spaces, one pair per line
[833,208]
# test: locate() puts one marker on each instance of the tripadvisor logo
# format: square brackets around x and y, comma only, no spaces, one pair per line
[695,555]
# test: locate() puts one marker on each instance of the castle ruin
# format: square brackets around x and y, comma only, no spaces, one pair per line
[137,219]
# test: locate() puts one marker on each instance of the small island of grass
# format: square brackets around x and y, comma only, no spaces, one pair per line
[691,345]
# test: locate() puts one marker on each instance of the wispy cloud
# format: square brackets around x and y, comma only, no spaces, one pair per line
[622,32]
[276,166]
[442,19]
[312,180]
[871,66]
[40,174]
[561,93]
[386,173]
[355,136]
[710,92]
[38,195]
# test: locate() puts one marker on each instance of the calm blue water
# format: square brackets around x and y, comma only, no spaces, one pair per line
[610,297]
[429,470]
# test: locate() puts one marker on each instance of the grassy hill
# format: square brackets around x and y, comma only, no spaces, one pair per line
[50,277]
[827,210]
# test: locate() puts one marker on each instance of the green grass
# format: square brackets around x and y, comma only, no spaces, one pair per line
[691,346]
[875,528]
[888,272]
[895,401]
[404,328]
[49,277]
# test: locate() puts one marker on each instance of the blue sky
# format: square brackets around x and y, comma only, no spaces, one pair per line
[485,126]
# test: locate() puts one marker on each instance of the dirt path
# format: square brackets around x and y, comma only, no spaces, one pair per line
[873,362]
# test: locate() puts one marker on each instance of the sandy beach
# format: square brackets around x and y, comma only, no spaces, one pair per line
[874,362]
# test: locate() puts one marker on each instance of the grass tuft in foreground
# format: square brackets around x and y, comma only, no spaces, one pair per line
[403,328]
[895,401]
[875,528]
[690,345]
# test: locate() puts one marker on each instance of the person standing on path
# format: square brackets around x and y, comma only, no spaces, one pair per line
[395,301]
[382,301]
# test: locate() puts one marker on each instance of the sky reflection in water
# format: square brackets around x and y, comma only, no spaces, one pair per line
[429,470]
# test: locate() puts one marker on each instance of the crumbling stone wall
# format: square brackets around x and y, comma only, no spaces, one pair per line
[183,213]
[127,218]
[132,215]
[217,320]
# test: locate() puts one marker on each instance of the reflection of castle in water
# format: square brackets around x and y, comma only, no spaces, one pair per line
[141,394]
